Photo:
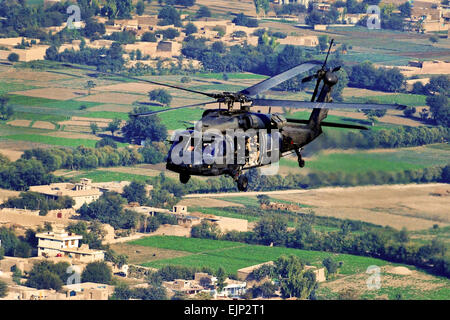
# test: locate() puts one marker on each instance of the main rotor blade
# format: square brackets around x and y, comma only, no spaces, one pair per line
[279,78]
[330,124]
[322,105]
[211,95]
[149,113]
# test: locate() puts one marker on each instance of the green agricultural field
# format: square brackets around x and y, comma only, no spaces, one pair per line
[67,105]
[222,213]
[107,115]
[219,76]
[40,116]
[233,255]
[173,120]
[400,98]
[52,140]
[357,162]
[6,87]
[193,245]
[106,176]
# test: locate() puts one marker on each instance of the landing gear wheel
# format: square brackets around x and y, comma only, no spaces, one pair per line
[242,183]
[301,163]
[184,178]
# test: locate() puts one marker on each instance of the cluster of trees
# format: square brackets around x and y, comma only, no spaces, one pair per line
[6,111]
[21,19]
[367,76]
[160,95]
[262,59]
[289,9]
[82,157]
[16,246]
[152,292]
[109,208]
[105,59]
[139,129]
[437,91]
[36,201]
[21,174]
[168,15]
[50,275]
[317,17]
[242,20]
[397,137]
[291,279]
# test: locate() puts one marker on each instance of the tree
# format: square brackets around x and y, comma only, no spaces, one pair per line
[48,275]
[221,277]
[271,230]
[13,57]
[161,95]
[90,85]
[440,109]
[94,127]
[140,7]
[114,126]
[168,15]
[294,280]
[98,272]
[331,265]
[148,37]
[3,289]
[107,141]
[262,5]
[135,192]
[190,28]
[138,129]
[405,9]
[203,12]
[323,43]
[373,115]
[6,111]
[205,230]
[439,84]
[409,111]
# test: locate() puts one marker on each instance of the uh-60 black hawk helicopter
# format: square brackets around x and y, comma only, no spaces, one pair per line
[291,134]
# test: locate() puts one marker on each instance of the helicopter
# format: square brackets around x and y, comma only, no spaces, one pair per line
[230,140]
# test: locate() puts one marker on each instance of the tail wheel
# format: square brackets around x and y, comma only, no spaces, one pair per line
[242,183]
[184,178]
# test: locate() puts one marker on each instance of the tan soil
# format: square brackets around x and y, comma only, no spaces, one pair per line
[43,125]
[114,97]
[72,135]
[140,254]
[11,154]
[5,194]
[112,108]
[416,279]
[412,206]
[209,203]
[91,119]
[13,73]
[409,206]
[20,123]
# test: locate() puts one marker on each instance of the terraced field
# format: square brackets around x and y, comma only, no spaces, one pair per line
[192,252]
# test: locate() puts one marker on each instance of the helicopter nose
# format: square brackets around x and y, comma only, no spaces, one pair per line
[331,78]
